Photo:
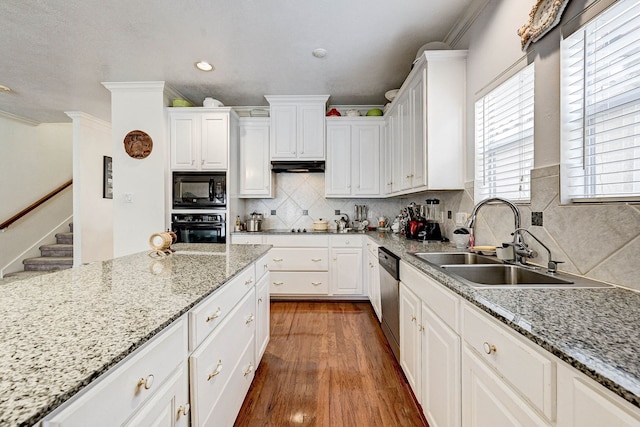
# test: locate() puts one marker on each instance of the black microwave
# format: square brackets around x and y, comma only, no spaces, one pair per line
[199,190]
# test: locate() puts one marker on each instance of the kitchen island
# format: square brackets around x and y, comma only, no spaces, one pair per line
[61,331]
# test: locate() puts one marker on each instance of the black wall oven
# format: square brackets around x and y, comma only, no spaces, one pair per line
[199,190]
[199,228]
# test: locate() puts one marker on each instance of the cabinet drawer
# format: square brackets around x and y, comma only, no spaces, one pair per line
[246,239]
[207,315]
[346,241]
[298,259]
[441,301]
[522,366]
[312,283]
[297,241]
[124,388]
[262,267]
[226,410]
[372,247]
[212,365]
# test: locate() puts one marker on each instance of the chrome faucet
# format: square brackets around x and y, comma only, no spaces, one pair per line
[516,214]
[522,251]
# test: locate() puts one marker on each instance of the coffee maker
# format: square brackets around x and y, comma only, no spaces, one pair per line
[433,216]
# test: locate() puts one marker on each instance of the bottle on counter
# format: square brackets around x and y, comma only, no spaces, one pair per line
[238,224]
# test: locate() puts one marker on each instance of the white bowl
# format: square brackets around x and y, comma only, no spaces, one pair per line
[391,94]
[210,102]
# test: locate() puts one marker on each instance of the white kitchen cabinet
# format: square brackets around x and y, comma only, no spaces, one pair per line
[246,239]
[410,344]
[200,138]
[353,157]
[262,314]
[214,366]
[372,277]
[297,127]
[426,125]
[387,158]
[169,407]
[346,271]
[255,168]
[488,401]
[584,403]
[440,371]
[129,386]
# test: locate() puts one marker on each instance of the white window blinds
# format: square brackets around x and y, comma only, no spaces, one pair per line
[504,139]
[600,98]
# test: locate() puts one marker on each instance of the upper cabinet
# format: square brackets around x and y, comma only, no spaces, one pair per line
[255,171]
[425,126]
[297,127]
[199,138]
[353,157]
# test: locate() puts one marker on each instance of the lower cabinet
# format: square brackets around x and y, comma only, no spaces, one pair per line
[346,271]
[372,278]
[410,344]
[215,364]
[262,315]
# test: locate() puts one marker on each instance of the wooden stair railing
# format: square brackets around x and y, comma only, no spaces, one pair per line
[31,207]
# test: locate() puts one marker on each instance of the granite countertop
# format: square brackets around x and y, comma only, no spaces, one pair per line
[594,330]
[60,331]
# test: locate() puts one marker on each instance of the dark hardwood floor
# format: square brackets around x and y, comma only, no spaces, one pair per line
[328,364]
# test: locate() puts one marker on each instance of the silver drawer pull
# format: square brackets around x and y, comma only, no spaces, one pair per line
[146,383]
[184,409]
[413,318]
[489,348]
[278,283]
[259,299]
[216,372]
[278,259]
[316,283]
[214,315]
[248,282]
[249,369]
[250,319]
[316,259]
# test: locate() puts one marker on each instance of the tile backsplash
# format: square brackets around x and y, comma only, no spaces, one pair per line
[599,241]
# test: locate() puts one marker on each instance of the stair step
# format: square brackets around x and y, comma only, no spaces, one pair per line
[47,263]
[58,249]
[65,238]
[22,275]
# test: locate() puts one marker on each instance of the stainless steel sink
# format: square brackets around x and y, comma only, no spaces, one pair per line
[513,276]
[450,258]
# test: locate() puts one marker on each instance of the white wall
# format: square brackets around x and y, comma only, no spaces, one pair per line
[34,160]
[137,106]
[93,214]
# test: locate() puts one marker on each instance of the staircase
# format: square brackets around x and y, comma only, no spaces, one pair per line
[54,257]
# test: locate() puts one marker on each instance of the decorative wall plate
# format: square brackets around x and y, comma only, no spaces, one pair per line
[544,15]
[138,144]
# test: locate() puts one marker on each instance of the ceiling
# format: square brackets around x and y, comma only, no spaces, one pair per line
[55,54]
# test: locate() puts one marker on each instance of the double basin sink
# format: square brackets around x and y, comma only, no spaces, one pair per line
[480,271]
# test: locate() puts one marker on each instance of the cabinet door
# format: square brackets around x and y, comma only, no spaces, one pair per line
[283,131]
[366,160]
[387,158]
[373,275]
[338,172]
[410,360]
[440,371]
[346,271]
[215,142]
[486,399]
[255,171]
[311,124]
[262,316]
[406,161]
[169,407]
[396,148]
[417,138]
[184,135]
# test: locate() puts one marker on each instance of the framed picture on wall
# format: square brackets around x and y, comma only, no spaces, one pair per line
[107,177]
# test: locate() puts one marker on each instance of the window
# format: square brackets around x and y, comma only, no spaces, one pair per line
[504,139]
[600,157]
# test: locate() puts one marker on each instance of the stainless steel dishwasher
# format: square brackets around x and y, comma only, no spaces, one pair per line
[390,298]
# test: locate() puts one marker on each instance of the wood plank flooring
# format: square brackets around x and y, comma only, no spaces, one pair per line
[328,364]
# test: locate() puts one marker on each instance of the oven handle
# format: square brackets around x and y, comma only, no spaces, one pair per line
[211,187]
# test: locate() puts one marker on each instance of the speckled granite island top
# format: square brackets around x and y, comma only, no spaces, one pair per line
[594,330]
[60,331]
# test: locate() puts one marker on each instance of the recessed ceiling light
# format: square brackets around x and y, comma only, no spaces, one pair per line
[319,52]
[204,66]
[4,88]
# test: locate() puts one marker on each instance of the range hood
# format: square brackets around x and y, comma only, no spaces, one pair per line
[297,166]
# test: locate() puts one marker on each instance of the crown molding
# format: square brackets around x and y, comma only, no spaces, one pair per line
[19,119]
[463,24]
